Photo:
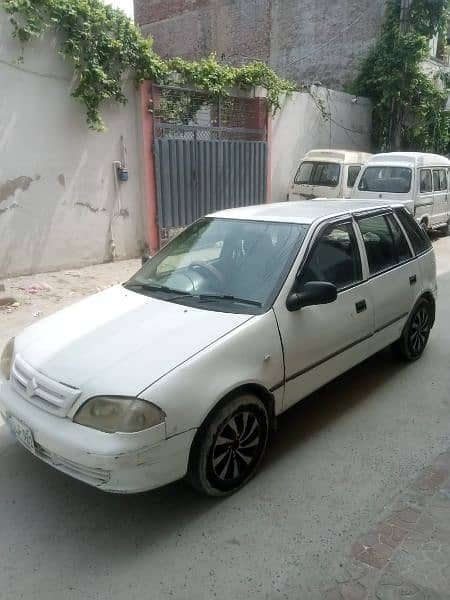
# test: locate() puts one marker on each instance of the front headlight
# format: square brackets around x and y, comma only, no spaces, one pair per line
[113,414]
[7,358]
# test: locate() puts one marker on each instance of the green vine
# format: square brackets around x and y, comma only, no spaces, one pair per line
[105,47]
[409,108]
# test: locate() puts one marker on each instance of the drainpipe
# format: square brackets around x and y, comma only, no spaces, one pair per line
[149,167]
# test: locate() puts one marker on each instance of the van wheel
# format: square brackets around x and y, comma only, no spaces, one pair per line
[415,335]
[229,447]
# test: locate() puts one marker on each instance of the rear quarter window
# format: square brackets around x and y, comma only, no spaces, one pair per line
[417,236]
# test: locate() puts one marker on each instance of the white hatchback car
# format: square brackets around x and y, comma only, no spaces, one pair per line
[183,369]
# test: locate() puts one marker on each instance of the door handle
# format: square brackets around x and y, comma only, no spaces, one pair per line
[361,306]
[413,280]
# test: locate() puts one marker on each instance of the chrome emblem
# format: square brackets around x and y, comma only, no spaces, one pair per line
[32,386]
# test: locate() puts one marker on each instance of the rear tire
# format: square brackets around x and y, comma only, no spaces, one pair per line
[230,446]
[414,339]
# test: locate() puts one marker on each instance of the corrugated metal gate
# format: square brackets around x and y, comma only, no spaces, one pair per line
[205,159]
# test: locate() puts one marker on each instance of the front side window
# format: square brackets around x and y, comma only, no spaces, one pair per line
[316,173]
[417,236]
[394,180]
[426,181]
[353,173]
[223,264]
[379,243]
[334,258]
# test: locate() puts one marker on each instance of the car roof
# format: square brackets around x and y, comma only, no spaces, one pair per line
[327,155]
[419,159]
[303,211]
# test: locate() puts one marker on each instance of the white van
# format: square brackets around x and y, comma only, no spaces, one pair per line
[418,180]
[327,174]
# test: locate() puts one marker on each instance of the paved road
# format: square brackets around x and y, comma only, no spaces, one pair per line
[337,460]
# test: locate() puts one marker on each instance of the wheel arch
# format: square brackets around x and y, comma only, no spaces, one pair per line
[256,389]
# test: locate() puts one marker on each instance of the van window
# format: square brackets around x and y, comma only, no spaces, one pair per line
[304,173]
[417,236]
[334,258]
[379,243]
[440,180]
[316,173]
[353,173]
[395,180]
[426,183]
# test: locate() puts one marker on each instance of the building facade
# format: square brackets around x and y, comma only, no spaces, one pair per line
[310,41]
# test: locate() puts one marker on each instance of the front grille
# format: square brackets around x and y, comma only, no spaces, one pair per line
[91,475]
[52,396]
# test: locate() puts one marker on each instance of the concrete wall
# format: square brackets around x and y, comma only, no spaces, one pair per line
[300,127]
[58,198]
[306,40]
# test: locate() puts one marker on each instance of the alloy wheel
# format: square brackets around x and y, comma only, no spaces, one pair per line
[419,331]
[237,447]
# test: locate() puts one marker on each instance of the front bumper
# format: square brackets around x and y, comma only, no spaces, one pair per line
[120,462]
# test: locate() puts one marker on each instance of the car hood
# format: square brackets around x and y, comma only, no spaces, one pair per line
[119,341]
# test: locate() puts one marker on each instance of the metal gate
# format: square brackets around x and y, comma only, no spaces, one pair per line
[205,159]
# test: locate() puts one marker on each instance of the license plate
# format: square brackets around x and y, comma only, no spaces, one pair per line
[22,433]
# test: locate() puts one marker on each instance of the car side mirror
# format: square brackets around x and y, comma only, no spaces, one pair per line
[312,294]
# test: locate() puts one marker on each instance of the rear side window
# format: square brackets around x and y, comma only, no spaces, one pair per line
[426,182]
[353,173]
[379,243]
[334,258]
[440,180]
[401,243]
[417,236]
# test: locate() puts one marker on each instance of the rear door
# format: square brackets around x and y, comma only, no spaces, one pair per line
[440,204]
[393,275]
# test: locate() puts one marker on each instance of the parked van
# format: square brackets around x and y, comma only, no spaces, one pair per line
[419,180]
[327,174]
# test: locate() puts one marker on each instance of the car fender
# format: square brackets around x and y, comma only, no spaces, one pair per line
[252,354]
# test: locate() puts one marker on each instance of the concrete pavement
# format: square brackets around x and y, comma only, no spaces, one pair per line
[338,460]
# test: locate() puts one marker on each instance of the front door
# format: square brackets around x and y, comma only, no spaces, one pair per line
[320,342]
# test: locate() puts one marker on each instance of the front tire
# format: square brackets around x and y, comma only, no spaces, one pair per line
[415,336]
[230,446]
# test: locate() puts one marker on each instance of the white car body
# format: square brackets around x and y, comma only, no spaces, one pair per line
[347,164]
[426,196]
[186,359]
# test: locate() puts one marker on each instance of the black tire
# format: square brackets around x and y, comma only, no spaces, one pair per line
[415,335]
[230,446]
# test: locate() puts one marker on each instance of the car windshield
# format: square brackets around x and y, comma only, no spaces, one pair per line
[395,180]
[223,264]
[318,173]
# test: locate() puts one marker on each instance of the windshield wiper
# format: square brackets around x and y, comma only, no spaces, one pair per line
[155,287]
[208,297]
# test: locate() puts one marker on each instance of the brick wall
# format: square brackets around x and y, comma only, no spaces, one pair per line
[307,40]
